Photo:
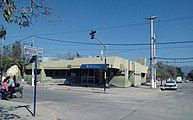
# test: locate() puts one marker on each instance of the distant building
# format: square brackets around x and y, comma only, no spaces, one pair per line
[121,72]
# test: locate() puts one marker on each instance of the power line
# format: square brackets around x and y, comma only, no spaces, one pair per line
[113,44]
[87,43]
[180,58]
[21,40]
[58,44]
[175,19]
[177,61]
[65,41]
[110,27]
[180,42]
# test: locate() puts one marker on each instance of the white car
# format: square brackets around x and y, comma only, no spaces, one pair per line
[170,85]
[179,79]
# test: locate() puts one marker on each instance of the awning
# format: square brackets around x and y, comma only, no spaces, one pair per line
[93,66]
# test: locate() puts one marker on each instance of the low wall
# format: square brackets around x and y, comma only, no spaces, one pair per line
[120,81]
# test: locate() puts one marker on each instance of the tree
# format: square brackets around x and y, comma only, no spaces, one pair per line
[2,32]
[18,56]
[165,71]
[11,57]
[23,13]
[179,72]
[6,51]
[29,10]
[68,56]
[17,50]
[190,75]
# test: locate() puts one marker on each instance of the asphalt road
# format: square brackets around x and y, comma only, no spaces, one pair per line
[168,105]
[48,95]
[78,105]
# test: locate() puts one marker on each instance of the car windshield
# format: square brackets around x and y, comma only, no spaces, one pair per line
[170,81]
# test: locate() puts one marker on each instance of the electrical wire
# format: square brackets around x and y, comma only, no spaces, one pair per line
[175,19]
[180,58]
[109,27]
[21,40]
[177,62]
[114,44]
[65,41]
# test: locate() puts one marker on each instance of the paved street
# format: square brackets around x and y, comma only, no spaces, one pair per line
[167,105]
[116,104]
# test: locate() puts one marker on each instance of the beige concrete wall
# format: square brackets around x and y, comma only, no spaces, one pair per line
[114,62]
[136,76]
[120,81]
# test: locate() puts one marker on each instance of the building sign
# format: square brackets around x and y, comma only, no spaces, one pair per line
[93,66]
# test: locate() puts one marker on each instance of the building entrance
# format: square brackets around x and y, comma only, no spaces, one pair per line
[92,73]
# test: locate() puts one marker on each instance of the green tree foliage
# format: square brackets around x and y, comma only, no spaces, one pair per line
[190,75]
[17,50]
[6,51]
[179,72]
[12,56]
[24,12]
[165,71]
[3,32]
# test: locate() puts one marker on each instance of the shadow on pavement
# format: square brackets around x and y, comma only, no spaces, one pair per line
[26,107]
[6,113]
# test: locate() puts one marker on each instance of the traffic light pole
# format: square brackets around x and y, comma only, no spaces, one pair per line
[92,33]
[105,72]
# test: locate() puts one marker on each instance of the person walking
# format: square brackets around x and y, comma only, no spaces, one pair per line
[5,88]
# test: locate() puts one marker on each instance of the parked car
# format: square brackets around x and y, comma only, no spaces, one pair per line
[170,85]
[179,79]
[186,80]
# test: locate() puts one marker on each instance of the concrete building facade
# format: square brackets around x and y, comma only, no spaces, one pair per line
[120,72]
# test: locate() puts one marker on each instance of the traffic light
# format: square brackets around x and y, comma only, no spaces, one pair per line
[92,33]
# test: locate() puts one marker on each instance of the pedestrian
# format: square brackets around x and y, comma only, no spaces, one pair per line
[5,88]
[11,86]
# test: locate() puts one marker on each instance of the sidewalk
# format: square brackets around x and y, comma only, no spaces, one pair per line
[13,110]
[21,111]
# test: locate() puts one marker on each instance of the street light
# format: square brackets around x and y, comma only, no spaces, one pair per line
[93,36]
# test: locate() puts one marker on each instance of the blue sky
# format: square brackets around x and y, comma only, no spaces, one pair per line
[85,15]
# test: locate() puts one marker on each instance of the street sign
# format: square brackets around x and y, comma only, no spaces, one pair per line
[30,51]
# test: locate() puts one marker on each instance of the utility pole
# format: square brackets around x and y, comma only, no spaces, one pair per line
[92,33]
[152,52]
